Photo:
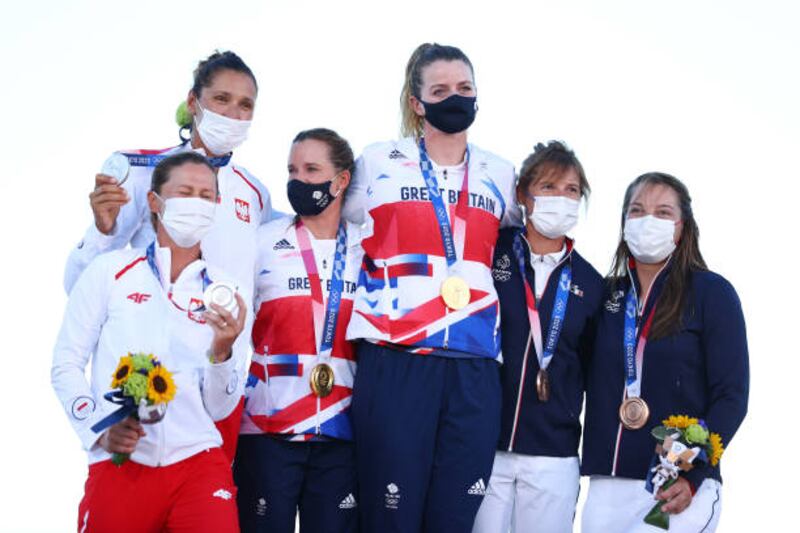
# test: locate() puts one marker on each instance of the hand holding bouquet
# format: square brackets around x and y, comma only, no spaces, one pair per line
[142,389]
[682,442]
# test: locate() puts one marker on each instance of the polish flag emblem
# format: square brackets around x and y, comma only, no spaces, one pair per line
[242,210]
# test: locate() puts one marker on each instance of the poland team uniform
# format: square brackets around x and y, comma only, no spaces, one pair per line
[427,395]
[701,371]
[296,448]
[535,478]
[177,472]
[244,204]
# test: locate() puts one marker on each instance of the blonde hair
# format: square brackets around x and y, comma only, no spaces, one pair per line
[424,55]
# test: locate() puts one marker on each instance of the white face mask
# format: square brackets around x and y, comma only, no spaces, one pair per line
[554,216]
[187,220]
[220,134]
[650,239]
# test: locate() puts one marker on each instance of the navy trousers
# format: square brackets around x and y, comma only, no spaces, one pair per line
[276,478]
[426,430]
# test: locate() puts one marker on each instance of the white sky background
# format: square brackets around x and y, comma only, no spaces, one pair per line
[704,90]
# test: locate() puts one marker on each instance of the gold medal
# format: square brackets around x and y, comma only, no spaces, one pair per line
[543,385]
[455,293]
[633,413]
[322,380]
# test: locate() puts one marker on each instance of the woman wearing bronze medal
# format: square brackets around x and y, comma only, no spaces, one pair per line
[295,449]
[549,295]
[670,340]
[426,402]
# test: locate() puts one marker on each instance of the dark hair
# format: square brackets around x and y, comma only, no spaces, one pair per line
[208,68]
[164,168]
[424,55]
[339,151]
[161,173]
[547,159]
[685,259]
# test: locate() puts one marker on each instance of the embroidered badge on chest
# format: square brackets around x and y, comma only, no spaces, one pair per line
[501,271]
[242,210]
[614,304]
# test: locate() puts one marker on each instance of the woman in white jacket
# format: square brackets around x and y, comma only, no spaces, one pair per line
[151,301]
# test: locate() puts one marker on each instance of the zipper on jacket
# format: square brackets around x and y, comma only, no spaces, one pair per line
[519,393]
[446,327]
[528,346]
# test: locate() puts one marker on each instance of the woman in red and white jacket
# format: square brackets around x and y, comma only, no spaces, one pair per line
[426,403]
[219,109]
[150,300]
[295,449]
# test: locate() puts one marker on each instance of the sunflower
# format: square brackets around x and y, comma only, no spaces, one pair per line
[715,442]
[160,386]
[679,421]
[124,369]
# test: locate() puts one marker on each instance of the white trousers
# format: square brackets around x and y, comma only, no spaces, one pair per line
[618,505]
[529,494]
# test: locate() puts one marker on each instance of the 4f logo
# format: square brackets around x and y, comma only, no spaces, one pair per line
[138,297]
[242,210]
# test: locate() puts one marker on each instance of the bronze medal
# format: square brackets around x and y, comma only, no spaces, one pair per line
[322,380]
[543,385]
[633,413]
[455,293]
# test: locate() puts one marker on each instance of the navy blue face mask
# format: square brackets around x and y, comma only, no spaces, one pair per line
[309,199]
[454,114]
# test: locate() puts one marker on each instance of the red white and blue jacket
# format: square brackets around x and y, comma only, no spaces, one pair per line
[278,395]
[398,299]
[701,371]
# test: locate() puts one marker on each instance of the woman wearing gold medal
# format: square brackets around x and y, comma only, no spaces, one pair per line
[426,404]
[670,341]
[549,295]
[296,450]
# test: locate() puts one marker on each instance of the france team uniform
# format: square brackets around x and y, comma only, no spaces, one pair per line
[296,447]
[426,401]
[701,371]
[535,478]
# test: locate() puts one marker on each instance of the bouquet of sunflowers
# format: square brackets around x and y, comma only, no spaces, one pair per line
[142,389]
[682,442]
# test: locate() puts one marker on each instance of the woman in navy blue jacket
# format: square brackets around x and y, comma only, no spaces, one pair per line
[686,354]
[545,335]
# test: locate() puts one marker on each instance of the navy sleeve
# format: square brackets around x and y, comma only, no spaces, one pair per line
[724,342]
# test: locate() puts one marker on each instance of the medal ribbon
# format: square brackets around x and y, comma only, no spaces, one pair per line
[452,237]
[544,353]
[324,328]
[151,260]
[634,351]
[151,160]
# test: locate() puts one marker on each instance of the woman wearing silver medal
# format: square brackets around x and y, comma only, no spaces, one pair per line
[670,341]
[549,295]
[295,449]
[426,401]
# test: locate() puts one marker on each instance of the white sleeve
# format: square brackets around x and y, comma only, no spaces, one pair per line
[223,383]
[355,203]
[513,215]
[95,243]
[83,321]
